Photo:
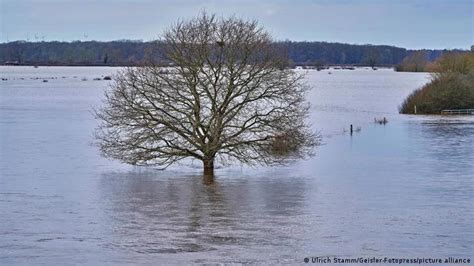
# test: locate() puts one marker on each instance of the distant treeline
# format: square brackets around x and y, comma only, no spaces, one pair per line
[129,53]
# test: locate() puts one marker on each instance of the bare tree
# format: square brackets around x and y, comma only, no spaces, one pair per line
[415,62]
[226,95]
[372,57]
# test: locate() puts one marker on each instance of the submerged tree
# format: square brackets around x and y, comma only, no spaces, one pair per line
[415,62]
[226,95]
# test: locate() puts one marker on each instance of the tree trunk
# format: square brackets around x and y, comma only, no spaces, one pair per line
[208,167]
[208,179]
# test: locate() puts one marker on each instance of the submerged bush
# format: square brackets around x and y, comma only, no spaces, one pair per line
[451,88]
[445,91]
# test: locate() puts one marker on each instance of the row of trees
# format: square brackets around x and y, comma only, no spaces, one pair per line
[424,61]
[314,53]
[129,53]
[116,53]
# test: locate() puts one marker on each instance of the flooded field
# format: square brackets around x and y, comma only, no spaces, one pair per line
[400,189]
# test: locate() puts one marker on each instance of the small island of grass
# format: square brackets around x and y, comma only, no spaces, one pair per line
[451,88]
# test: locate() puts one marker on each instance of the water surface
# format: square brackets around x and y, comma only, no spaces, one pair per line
[403,189]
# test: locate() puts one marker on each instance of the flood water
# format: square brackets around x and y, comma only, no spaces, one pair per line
[403,189]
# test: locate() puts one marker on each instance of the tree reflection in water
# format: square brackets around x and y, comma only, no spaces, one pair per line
[151,213]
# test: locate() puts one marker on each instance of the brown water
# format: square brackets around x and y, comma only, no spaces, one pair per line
[403,189]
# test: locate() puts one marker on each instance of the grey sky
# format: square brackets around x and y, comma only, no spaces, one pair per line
[405,23]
